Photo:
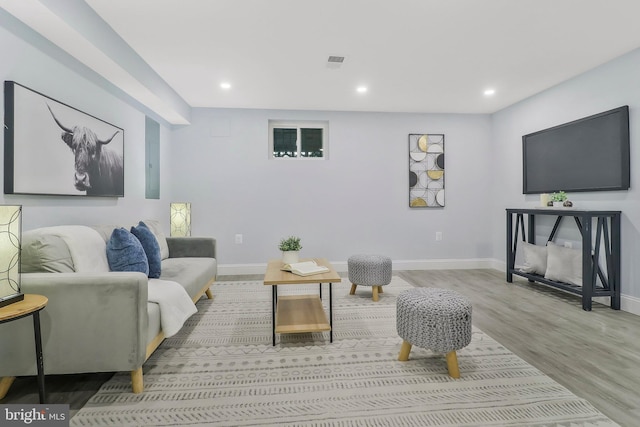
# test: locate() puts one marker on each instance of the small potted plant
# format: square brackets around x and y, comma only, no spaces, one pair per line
[558,199]
[290,248]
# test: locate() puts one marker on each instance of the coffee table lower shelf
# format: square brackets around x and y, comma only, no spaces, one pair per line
[300,313]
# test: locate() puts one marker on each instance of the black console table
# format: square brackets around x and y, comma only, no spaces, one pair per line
[607,235]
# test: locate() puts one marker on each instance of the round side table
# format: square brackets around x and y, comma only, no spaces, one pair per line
[29,306]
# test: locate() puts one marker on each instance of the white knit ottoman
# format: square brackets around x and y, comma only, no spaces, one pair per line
[437,319]
[369,270]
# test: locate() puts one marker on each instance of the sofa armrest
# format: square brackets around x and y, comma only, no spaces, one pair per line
[93,322]
[186,247]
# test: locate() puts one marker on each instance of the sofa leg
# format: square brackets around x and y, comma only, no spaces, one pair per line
[137,383]
[5,384]
[209,293]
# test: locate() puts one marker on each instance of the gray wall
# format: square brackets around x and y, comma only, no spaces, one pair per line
[42,70]
[611,85]
[356,201]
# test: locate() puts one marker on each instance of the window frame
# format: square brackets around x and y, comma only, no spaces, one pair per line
[299,125]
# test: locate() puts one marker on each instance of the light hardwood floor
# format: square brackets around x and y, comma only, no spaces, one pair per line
[594,354]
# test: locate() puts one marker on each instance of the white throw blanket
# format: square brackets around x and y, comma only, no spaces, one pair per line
[175,305]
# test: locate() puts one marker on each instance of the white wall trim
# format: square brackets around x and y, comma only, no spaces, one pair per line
[630,304]
[341,266]
[627,303]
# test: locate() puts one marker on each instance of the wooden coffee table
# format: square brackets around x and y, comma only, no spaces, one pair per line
[294,314]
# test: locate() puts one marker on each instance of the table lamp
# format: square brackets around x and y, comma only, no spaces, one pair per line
[180,219]
[10,237]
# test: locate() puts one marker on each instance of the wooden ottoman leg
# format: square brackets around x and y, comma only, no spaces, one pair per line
[353,289]
[452,365]
[137,382]
[404,351]
[374,290]
[380,289]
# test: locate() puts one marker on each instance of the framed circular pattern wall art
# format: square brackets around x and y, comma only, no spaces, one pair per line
[426,170]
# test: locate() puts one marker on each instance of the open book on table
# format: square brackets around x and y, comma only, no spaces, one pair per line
[305,268]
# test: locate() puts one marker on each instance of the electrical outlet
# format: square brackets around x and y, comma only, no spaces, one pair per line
[238,239]
[438,235]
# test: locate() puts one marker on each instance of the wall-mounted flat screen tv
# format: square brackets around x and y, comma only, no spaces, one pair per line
[589,154]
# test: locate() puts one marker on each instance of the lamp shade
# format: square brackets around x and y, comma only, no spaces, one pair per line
[180,219]
[10,237]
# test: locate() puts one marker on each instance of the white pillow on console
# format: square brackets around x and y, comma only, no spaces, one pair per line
[564,264]
[535,258]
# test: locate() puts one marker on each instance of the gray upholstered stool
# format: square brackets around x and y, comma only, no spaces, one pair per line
[437,319]
[369,270]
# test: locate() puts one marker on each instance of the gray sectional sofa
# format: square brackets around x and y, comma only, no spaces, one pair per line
[96,321]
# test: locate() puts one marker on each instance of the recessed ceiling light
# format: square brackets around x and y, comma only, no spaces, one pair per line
[489,92]
[361,89]
[225,85]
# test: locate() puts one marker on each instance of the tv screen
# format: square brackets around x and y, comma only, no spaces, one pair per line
[589,154]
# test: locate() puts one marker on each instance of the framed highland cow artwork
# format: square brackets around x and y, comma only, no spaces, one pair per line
[52,148]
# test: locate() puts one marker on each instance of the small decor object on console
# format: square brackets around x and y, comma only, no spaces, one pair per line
[558,199]
[290,248]
[544,200]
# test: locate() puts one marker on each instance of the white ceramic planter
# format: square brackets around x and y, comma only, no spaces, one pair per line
[290,257]
[558,204]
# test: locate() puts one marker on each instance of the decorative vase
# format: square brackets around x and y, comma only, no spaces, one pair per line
[289,257]
[558,204]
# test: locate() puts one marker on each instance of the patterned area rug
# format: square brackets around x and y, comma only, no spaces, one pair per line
[222,370]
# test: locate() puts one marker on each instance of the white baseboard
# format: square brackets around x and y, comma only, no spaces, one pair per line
[240,269]
[630,304]
[627,303]
[341,266]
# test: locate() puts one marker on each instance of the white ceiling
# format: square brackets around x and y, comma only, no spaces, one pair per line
[413,55]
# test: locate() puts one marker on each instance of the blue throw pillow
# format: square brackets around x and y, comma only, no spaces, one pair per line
[151,248]
[125,252]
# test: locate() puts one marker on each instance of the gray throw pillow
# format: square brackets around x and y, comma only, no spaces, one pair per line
[44,253]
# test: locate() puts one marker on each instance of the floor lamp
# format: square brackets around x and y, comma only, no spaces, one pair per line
[180,219]
[10,237]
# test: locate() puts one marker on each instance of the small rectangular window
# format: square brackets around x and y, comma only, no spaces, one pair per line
[296,140]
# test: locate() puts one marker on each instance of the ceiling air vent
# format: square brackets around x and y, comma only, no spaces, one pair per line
[338,59]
